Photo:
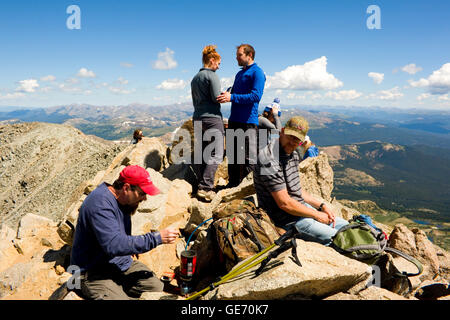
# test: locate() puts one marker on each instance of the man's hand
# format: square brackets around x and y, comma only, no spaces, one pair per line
[224,97]
[322,217]
[330,214]
[169,235]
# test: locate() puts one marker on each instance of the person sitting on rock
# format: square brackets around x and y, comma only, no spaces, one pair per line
[309,149]
[137,136]
[279,191]
[270,119]
[103,245]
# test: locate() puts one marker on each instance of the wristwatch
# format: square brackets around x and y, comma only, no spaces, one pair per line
[321,206]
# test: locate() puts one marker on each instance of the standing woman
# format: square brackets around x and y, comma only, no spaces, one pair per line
[205,87]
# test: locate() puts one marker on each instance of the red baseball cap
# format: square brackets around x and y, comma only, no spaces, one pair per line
[138,176]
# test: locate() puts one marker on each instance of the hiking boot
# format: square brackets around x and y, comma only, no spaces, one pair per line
[206,195]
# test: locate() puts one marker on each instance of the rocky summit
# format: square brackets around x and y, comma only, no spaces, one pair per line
[48,170]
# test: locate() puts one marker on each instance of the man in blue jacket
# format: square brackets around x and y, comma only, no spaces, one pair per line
[245,96]
[103,245]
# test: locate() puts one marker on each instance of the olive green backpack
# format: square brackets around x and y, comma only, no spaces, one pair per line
[242,230]
[365,242]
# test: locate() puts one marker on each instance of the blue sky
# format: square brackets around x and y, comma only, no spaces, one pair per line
[313,52]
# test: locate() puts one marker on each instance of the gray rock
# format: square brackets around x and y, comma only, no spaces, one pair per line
[245,189]
[151,212]
[415,243]
[317,176]
[13,277]
[30,223]
[371,293]
[324,272]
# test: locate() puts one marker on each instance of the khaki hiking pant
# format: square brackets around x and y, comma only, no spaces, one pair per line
[110,284]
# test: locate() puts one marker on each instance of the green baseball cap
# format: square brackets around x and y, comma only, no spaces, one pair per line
[297,127]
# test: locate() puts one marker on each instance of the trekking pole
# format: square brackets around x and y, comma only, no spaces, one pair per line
[232,273]
[288,234]
[247,265]
[244,267]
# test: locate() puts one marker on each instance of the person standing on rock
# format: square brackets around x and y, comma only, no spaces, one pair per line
[103,245]
[205,88]
[279,191]
[245,96]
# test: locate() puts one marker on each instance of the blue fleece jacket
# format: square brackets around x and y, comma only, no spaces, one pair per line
[103,234]
[247,91]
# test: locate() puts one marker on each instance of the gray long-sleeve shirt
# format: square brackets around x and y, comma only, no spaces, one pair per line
[264,123]
[205,87]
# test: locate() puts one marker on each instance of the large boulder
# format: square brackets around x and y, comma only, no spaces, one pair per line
[31,223]
[324,272]
[316,176]
[415,243]
[148,153]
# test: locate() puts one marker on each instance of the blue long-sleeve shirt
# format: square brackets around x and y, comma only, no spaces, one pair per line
[311,152]
[248,89]
[103,234]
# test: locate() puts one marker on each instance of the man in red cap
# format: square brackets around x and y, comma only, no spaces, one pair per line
[103,244]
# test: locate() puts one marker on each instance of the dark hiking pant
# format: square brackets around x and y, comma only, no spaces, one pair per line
[212,151]
[241,151]
[108,284]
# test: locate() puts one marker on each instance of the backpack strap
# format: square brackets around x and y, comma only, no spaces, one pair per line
[250,227]
[410,259]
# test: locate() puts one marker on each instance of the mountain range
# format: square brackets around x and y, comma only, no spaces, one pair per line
[397,158]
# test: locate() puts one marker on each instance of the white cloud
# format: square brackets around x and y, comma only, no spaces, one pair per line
[419,83]
[444,97]
[48,78]
[68,88]
[122,81]
[344,95]
[72,81]
[391,94]
[29,85]
[172,84]
[312,75]
[126,65]
[315,96]
[116,90]
[85,73]
[12,96]
[411,68]
[376,77]
[423,96]
[46,89]
[294,96]
[165,60]
[437,83]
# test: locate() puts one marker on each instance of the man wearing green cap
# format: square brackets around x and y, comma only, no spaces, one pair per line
[279,192]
